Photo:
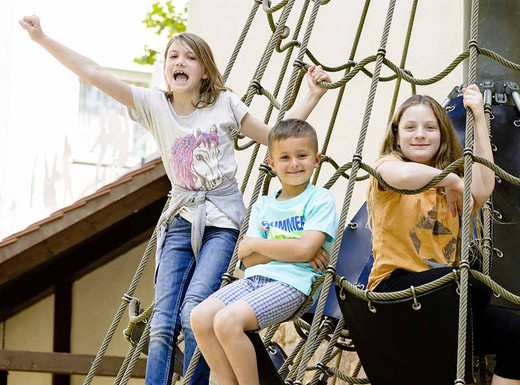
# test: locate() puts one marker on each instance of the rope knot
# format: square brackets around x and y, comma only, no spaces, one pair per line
[464,265]
[330,269]
[228,277]
[468,151]
[127,298]
[255,84]
[473,43]
[264,167]
[357,157]
[460,381]
[324,369]
[302,65]
[381,51]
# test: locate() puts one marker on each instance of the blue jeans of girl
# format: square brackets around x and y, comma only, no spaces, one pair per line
[181,284]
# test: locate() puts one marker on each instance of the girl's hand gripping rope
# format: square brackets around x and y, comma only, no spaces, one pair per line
[472,99]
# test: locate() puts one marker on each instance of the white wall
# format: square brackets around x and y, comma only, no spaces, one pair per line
[436,41]
[39,99]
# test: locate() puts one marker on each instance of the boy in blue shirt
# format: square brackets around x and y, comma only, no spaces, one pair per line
[289,239]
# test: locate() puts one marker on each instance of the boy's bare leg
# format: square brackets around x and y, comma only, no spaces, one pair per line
[202,323]
[230,324]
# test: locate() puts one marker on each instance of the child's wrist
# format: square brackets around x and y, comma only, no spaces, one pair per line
[315,95]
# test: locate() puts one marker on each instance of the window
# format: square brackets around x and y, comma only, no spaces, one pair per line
[107,138]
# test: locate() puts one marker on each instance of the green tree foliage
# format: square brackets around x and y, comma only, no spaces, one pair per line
[166,20]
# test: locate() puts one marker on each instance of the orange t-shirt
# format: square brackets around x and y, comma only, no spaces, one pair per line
[410,232]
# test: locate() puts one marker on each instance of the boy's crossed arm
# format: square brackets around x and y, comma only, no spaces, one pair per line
[253,251]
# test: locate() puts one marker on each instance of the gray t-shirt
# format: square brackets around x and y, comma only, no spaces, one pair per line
[197,150]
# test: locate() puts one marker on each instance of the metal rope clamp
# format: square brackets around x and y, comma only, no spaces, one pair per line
[371,307]
[264,167]
[416,304]
[324,369]
[341,288]
[456,279]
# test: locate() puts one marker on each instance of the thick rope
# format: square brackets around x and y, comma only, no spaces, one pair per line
[249,97]
[341,92]
[122,307]
[327,355]
[466,220]
[280,31]
[240,41]
[350,186]
[403,58]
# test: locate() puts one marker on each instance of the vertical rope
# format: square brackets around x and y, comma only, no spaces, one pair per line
[264,61]
[291,357]
[278,86]
[350,187]
[486,214]
[357,369]
[339,98]
[403,59]
[468,162]
[249,97]
[301,53]
[123,367]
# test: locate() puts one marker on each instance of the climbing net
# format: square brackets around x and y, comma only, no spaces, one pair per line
[322,328]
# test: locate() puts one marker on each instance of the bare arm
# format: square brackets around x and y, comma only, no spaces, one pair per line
[82,66]
[255,259]
[411,175]
[303,249]
[303,107]
[319,262]
[258,131]
[483,179]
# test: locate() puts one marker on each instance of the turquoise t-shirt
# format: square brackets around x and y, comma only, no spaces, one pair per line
[313,209]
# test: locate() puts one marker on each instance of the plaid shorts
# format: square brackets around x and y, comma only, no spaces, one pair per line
[272,301]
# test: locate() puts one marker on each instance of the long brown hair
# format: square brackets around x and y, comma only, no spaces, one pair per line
[449,149]
[210,87]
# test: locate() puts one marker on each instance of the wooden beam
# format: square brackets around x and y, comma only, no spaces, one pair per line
[63,363]
[107,245]
[62,325]
[75,226]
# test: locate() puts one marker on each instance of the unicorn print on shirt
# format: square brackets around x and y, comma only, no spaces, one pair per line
[194,160]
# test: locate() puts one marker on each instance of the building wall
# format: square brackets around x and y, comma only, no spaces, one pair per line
[96,298]
[30,330]
[436,41]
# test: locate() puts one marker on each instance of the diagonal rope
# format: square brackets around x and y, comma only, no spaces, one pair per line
[339,98]
[350,186]
[403,58]
[122,307]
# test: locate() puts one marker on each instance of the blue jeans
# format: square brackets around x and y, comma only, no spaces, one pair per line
[182,283]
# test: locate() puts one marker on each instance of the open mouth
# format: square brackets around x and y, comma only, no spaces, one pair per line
[180,76]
